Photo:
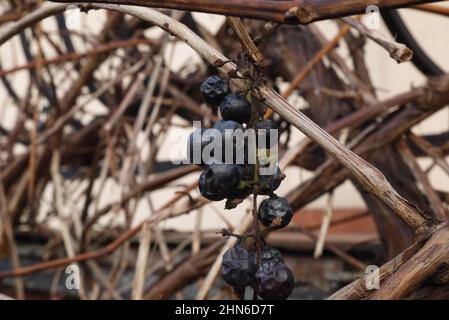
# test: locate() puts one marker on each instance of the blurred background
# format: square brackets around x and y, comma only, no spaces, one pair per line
[53,210]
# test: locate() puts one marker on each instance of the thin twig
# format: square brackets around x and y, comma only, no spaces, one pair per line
[398,51]
[142,262]
[327,217]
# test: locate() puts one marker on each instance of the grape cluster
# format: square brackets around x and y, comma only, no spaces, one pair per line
[229,175]
[271,278]
[224,176]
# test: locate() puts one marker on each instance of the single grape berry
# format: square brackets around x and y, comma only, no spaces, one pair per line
[223,125]
[268,254]
[275,212]
[268,131]
[232,141]
[238,266]
[219,181]
[274,281]
[235,108]
[197,141]
[268,183]
[244,189]
[214,89]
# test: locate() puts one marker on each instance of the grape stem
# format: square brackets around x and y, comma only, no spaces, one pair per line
[255,58]
[226,233]
[256,229]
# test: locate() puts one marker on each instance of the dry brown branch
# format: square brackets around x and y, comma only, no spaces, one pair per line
[433,8]
[434,200]
[78,56]
[431,151]
[142,262]
[398,51]
[423,264]
[324,228]
[48,9]
[293,11]
[246,41]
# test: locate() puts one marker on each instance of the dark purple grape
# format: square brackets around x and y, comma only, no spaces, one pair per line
[235,108]
[214,89]
[219,181]
[238,266]
[232,142]
[223,125]
[197,140]
[264,130]
[270,254]
[275,212]
[274,281]
[268,183]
